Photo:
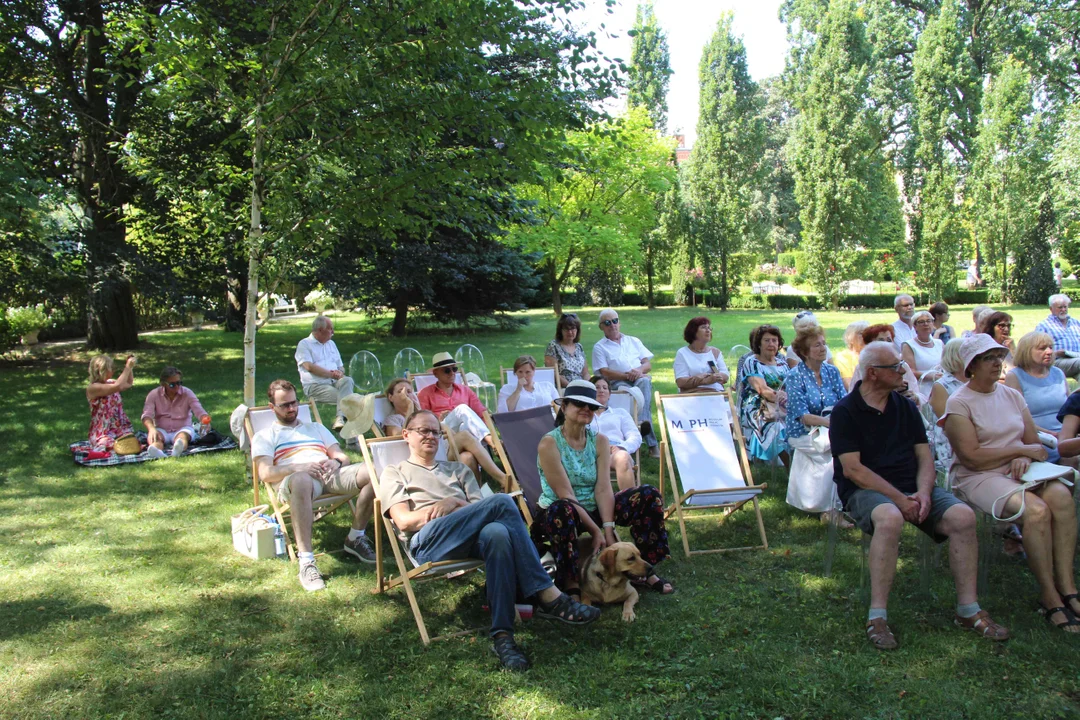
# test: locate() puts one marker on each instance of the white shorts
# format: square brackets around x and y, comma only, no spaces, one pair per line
[464,418]
[171,436]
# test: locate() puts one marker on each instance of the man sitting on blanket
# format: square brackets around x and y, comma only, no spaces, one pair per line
[437,507]
[884,473]
[304,461]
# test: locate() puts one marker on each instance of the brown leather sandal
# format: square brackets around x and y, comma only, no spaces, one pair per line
[879,635]
[981,623]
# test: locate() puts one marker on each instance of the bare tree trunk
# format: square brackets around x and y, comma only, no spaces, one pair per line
[401,314]
[556,296]
[254,244]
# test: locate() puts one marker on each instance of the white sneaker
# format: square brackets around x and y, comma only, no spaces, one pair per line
[310,578]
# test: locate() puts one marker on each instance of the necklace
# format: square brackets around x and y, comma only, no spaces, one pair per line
[928,343]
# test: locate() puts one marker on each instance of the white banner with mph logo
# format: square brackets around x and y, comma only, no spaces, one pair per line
[700,435]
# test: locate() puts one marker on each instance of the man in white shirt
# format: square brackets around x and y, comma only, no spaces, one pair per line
[625,363]
[903,328]
[322,373]
[303,461]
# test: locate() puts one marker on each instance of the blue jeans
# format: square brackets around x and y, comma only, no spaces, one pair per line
[490,530]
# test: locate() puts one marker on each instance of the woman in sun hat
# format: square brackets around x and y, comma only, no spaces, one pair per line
[576,495]
[995,442]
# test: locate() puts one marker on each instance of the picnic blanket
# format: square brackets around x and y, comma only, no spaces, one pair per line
[80,450]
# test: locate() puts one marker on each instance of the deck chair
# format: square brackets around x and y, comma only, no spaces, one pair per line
[379,454]
[261,417]
[625,401]
[516,436]
[713,469]
[383,409]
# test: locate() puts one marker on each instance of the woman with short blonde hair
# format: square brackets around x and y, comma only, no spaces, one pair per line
[526,393]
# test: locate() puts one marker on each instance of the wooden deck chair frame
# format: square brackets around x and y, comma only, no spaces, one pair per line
[409,571]
[321,506]
[633,416]
[678,506]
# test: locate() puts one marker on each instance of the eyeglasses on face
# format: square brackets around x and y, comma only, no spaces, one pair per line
[426,432]
[287,405]
[610,322]
[1004,325]
[897,367]
[178,383]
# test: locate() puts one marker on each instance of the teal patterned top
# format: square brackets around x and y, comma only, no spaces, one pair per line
[580,467]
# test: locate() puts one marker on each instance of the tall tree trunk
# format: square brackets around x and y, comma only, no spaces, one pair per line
[254,245]
[111,321]
[650,271]
[401,314]
[556,296]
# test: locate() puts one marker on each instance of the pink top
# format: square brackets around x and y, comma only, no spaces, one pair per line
[108,421]
[433,399]
[175,414]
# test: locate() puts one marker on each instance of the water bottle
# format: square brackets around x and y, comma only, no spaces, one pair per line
[204,426]
[279,541]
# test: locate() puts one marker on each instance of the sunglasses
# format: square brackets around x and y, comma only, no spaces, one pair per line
[569,316]
[449,370]
[178,383]
[609,323]
[581,405]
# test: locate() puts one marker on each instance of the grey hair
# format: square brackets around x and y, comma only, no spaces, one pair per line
[606,311]
[1059,298]
[853,331]
[915,318]
[950,358]
[321,323]
[804,319]
[872,355]
[898,298]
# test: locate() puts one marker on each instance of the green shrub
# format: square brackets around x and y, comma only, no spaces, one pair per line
[800,262]
[8,338]
[786,259]
[26,319]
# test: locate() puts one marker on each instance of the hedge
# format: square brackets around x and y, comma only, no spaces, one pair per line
[808,302]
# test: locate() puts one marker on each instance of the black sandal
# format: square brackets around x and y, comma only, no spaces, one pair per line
[1070,619]
[567,610]
[657,586]
[510,655]
[1067,600]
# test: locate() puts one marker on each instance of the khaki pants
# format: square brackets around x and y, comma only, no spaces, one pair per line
[330,392]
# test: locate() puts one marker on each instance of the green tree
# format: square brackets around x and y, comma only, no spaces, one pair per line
[650,66]
[593,206]
[726,165]
[74,78]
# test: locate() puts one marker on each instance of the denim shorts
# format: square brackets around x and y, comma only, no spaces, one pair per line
[861,504]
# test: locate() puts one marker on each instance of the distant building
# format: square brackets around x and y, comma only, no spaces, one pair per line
[682,153]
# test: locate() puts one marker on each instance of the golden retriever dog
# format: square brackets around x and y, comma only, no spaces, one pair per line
[605,577]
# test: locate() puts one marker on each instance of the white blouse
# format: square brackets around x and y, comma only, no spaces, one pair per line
[543,393]
[618,427]
[689,363]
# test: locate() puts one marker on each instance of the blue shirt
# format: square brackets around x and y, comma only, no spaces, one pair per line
[804,395]
[1065,337]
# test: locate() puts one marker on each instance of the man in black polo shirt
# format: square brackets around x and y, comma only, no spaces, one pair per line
[884,472]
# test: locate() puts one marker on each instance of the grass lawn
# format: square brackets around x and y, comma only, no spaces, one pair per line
[121,596]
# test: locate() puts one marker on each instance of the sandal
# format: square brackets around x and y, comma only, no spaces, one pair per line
[1067,601]
[567,610]
[510,655]
[1071,624]
[981,623]
[879,634]
[657,586]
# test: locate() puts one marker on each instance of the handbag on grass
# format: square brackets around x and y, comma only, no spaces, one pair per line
[127,445]
[1038,473]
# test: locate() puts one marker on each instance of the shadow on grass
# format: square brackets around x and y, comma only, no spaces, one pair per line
[33,615]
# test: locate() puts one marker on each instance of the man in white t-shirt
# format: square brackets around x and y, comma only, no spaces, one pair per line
[322,373]
[903,328]
[626,363]
[303,461]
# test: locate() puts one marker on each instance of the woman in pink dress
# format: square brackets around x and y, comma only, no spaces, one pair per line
[108,421]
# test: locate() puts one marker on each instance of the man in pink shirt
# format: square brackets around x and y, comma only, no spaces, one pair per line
[458,408]
[167,414]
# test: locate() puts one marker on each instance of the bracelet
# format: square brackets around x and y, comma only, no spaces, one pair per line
[609,524]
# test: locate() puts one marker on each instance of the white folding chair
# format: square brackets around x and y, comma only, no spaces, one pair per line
[622,400]
[422,380]
[707,457]
[543,374]
[379,454]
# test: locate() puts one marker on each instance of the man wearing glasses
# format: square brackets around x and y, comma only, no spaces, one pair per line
[625,363]
[303,461]
[884,473]
[439,512]
[1065,331]
[322,373]
[167,414]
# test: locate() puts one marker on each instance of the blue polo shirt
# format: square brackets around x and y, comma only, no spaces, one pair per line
[885,440]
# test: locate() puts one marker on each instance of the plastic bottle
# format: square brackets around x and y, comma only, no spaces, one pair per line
[204,426]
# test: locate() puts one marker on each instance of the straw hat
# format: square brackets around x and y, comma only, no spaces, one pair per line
[441,360]
[975,345]
[359,412]
[582,391]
